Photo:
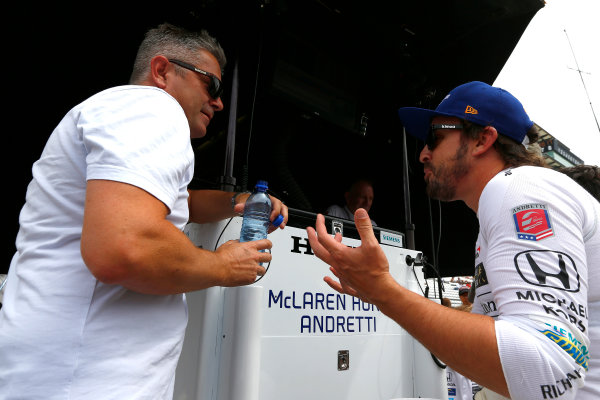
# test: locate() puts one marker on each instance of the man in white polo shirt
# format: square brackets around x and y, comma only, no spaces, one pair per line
[94,306]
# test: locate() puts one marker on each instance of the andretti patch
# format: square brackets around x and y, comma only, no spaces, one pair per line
[532,222]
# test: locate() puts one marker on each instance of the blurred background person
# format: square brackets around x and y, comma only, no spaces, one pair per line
[463,293]
[360,194]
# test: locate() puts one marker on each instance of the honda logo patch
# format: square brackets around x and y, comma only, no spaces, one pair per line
[532,222]
[547,268]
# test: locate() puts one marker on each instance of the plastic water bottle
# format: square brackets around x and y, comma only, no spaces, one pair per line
[256,214]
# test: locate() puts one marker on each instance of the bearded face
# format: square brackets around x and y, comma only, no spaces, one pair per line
[443,176]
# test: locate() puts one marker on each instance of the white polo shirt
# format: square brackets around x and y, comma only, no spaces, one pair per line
[64,334]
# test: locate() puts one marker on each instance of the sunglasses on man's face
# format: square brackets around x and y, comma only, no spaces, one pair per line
[215,86]
[431,141]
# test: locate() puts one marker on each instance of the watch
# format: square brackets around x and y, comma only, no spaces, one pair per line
[234,198]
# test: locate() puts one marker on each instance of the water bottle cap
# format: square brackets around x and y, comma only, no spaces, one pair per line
[278,221]
[262,185]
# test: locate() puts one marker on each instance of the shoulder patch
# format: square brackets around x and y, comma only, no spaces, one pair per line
[480,277]
[532,222]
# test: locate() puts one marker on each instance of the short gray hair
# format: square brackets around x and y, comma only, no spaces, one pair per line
[174,42]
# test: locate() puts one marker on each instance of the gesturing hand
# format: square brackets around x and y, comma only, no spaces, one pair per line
[362,271]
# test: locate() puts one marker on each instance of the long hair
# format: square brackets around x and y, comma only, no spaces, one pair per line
[174,42]
[513,153]
[587,176]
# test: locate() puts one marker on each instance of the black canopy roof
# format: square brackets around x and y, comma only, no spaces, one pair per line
[319,85]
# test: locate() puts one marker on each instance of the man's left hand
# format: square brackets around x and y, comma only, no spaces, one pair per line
[277,208]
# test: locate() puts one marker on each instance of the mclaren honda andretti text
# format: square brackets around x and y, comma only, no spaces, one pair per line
[353,316]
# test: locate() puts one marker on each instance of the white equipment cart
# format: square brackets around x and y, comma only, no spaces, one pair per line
[289,336]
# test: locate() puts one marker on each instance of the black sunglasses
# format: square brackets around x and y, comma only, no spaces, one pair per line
[215,87]
[431,140]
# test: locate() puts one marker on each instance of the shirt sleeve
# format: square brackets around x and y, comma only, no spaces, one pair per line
[139,137]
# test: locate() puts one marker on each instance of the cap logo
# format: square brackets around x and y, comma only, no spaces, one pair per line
[471,110]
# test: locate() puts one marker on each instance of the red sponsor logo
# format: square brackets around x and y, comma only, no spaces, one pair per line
[532,222]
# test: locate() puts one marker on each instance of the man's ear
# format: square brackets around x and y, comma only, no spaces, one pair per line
[159,66]
[487,138]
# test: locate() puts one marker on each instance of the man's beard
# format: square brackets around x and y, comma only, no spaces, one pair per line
[442,181]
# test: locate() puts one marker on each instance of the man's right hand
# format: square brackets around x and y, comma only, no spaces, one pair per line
[127,240]
[241,261]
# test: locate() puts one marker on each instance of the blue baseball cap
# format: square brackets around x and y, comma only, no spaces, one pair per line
[476,102]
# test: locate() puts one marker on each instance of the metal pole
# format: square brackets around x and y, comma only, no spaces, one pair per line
[410,228]
[227,181]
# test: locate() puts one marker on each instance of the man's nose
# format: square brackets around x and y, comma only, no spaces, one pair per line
[425,154]
[217,104]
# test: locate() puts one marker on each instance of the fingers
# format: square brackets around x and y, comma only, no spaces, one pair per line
[364,227]
[244,262]
[346,287]
[327,241]
[276,224]
[261,271]
[349,289]
[333,271]
[239,208]
[324,245]
[320,226]
[277,209]
[316,247]
[265,257]
[334,284]
[340,287]
[262,244]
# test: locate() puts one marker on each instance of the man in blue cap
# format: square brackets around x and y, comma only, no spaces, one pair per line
[536,313]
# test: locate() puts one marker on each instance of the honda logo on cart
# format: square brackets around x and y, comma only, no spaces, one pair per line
[548,268]
[300,242]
